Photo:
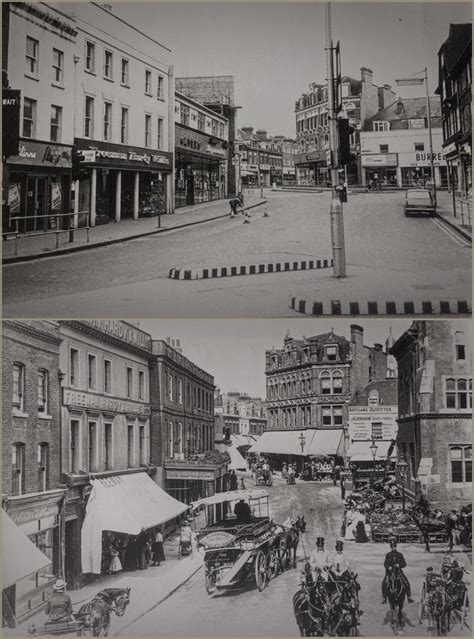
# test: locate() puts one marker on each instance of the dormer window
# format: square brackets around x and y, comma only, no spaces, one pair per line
[331,352]
[381,126]
[374,399]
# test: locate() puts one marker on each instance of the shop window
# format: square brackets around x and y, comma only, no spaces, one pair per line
[90,57]
[56,123]
[43,392]
[460,345]
[461,464]
[58,66]
[459,393]
[108,65]
[141,385]
[108,450]
[130,446]
[383,148]
[43,467]
[129,382]
[91,372]
[147,82]
[419,146]
[107,120]
[124,125]
[159,137]
[160,91]
[29,118]
[89,117]
[147,131]
[107,376]
[18,469]
[124,72]
[92,457]
[74,447]
[32,52]
[18,397]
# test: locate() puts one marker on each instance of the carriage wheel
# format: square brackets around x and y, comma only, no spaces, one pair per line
[421,605]
[272,564]
[210,582]
[260,571]
[465,608]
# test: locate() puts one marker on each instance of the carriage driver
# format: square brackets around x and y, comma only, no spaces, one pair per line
[59,606]
[395,559]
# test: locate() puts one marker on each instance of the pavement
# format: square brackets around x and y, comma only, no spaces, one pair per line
[445,211]
[149,588]
[29,247]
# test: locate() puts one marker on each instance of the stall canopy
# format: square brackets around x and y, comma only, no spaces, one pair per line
[287,442]
[126,504]
[360,451]
[20,557]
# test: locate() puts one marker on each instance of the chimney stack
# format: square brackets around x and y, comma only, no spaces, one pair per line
[366,75]
[378,347]
[357,335]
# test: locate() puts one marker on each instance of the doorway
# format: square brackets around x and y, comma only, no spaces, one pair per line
[36,204]
[71,555]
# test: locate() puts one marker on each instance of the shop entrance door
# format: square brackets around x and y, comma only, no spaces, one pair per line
[190,189]
[36,204]
[70,559]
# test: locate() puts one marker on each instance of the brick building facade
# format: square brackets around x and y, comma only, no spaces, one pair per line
[32,493]
[435,410]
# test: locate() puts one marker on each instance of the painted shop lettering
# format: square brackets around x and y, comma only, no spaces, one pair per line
[421,157]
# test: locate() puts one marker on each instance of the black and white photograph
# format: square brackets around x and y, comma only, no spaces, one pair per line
[306,478]
[225,159]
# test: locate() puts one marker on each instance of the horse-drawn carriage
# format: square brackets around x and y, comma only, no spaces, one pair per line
[236,552]
[263,475]
[92,619]
[327,606]
[441,596]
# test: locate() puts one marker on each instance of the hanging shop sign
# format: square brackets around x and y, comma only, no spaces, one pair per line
[42,154]
[119,156]
[102,403]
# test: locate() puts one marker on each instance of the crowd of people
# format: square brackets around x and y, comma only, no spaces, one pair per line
[121,552]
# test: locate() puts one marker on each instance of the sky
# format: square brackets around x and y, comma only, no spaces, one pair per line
[233,350]
[275,50]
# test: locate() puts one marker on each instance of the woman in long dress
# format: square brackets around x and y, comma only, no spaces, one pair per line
[115,564]
[158,550]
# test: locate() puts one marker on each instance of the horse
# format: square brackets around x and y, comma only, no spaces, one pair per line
[96,613]
[396,593]
[439,607]
[288,541]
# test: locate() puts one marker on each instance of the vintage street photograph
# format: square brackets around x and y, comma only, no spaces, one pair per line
[227,159]
[285,477]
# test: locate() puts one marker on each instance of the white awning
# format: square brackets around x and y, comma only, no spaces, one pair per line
[233,495]
[237,462]
[360,451]
[287,442]
[20,557]
[123,503]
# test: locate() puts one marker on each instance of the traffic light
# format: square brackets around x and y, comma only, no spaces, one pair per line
[344,150]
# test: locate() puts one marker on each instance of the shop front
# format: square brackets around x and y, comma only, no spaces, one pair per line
[113,181]
[200,167]
[39,517]
[380,167]
[311,169]
[415,169]
[39,187]
[458,159]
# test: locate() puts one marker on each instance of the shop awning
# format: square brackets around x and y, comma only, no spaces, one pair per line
[243,440]
[237,462]
[245,172]
[233,495]
[287,442]
[360,451]
[20,557]
[126,504]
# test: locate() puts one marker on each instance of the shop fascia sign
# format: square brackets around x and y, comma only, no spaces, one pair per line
[103,403]
[424,159]
[41,153]
[94,155]
[122,331]
[189,474]
[450,148]
[372,409]
[215,150]
[380,159]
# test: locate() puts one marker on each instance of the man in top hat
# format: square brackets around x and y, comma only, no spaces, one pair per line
[320,560]
[395,559]
[242,512]
[59,606]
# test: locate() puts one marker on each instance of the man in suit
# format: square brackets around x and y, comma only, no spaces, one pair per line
[394,559]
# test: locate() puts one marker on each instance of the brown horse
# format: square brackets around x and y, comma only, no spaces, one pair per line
[95,614]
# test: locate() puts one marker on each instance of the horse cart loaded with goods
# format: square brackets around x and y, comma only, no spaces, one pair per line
[241,547]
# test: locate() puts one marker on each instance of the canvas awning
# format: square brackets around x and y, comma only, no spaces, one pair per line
[287,442]
[237,462]
[233,495]
[126,504]
[243,440]
[20,557]
[360,451]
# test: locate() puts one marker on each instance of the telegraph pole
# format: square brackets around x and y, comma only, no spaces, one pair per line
[428,109]
[336,215]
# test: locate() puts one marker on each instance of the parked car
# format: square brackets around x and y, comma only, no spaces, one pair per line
[419,202]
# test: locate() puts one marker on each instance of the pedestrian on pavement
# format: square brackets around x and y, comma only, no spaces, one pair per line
[142,553]
[343,487]
[115,564]
[233,482]
[234,204]
[242,484]
[158,549]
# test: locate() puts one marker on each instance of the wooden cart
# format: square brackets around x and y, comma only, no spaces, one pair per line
[236,554]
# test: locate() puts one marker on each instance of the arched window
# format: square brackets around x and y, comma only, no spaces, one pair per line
[337,382]
[325,383]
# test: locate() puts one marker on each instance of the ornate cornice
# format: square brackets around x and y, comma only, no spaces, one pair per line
[435,416]
[30,329]
[46,17]
[88,329]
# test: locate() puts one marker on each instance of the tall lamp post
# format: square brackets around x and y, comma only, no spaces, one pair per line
[373,449]
[402,469]
[413,81]
[302,440]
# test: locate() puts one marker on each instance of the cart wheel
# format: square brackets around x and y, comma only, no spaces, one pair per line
[210,582]
[465,608]
[272,564]
[421,605]
[260,571]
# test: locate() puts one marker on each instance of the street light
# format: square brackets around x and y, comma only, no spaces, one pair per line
[412,81]
[302,439]
[373,449]
[402,469]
